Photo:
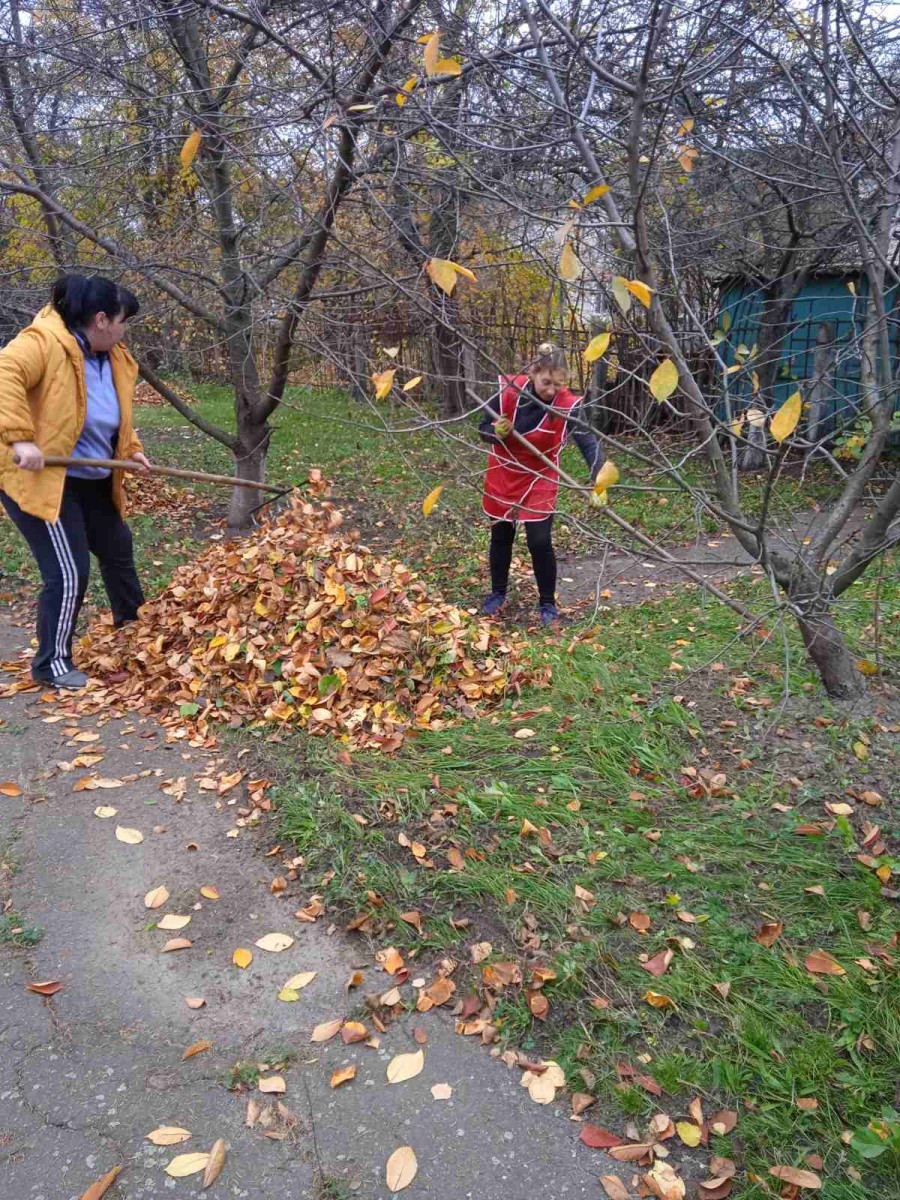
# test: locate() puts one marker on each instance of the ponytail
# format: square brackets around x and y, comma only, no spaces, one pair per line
[548,357]
[78,299]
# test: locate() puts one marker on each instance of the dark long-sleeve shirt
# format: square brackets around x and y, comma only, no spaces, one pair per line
[529,414]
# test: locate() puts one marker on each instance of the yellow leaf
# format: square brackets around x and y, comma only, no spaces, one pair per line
[754,378]
[401,1168]
[412,383]
[448,66]
[168,1135]
[272,1085]
[464,271]
[172,921]
[296,983]
[10,789]
[657,1000]
[242,958]
[756,417]
[405,1066]
[231,651]
[851,288]
[685,127]
[406,91]
[432,53]
[104,811]
[187,1164]
[431,500]
[392,351]
[664,380]
[785,420]
[861,750]
[686,158]
[442,273]
[619,287]
[210,892]
[735,426]
[360,107]
[570,267]
[731,370]
[639,289]
[156,897]
[288,995]
[607,477]
[596,347]
[131,837]
[595,193]
[689,1133]
[866,667]
[383,381]
[215,1164]
[275,942]
[726,321]
[325,1031]
[188,151]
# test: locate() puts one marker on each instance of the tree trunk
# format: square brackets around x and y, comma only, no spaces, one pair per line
[448,359]
[826,647]
[249,463]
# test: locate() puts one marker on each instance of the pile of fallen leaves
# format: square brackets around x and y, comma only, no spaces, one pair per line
[148,397]
[302,625]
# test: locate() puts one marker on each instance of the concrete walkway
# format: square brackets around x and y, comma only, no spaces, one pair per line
[87,1074]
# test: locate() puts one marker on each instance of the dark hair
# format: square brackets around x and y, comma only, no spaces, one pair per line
[78,298]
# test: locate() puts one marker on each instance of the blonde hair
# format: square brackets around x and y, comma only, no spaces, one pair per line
[548,357]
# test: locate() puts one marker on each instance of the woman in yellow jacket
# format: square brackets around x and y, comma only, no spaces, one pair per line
[66,388]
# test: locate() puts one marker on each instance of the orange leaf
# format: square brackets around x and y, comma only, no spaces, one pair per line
[659,963]
[196,1048]
[13,789]
[102,1185]
[242,958]
[353,1031]
[342,1075]
[798,1177]
[819,962]
[768,933]
[48,988]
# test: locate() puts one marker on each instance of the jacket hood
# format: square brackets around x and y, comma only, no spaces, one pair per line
[49,321]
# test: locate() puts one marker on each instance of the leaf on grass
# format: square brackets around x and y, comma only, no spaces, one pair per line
[188,151]
[173,921]
[431,500]
[723,1122]
[101,1186]
[599,1139]
[819,962]
[405,1066]
[664,380]
[326,1030]
[131,837]
[658,1000]
[768,933]
[156,897]
[272,1085]
[662,1182]
[187,1164]
[176,944]
[242,958]
[215,1164]
[196,1048]
[659,963]
[342,1075]
[785,420]
[168,1135]
[10,789]
[798,1177]
[401,1168]
[49,987]
[275,942]
[639,921]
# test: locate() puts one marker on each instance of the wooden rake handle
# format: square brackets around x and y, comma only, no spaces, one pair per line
[115,464]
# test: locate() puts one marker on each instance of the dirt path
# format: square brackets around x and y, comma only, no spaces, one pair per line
[84,1076]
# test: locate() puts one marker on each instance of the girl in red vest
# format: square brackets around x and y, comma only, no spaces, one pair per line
[518,485]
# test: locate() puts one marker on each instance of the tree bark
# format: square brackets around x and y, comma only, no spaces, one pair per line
[831,655]
[250,463]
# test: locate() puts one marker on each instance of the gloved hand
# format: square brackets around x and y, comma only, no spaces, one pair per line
[502,427]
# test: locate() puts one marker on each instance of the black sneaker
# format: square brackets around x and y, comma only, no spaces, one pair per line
[549,614]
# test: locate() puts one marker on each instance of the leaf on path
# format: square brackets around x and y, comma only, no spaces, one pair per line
[405,1066]
[689,1133]
[296,983]
[101,1186]
[156,897]
[272,1085]
[401,1168]
[632,1152]
[441,1091]
[105,811]
[390,960]
[196,1048]
[215,1164]
[194,1001]
[275,942]
[819,962]
[353,1031]
[131,837]
[288,995]
[10,789]
[342,1075]
[176,944]
[614,1187]
[49,987]
[168,1135]
[326,1030]
[599,1139]
[799,1178]
[664,1183]
[242,958]
[173,921]
[209,892]
[187,1164]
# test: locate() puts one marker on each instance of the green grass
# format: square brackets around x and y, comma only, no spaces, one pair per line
[15,932]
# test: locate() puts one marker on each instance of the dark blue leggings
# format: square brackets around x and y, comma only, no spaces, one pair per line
[543,558]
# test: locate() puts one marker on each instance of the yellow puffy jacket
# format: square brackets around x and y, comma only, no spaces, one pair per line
[43,399]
